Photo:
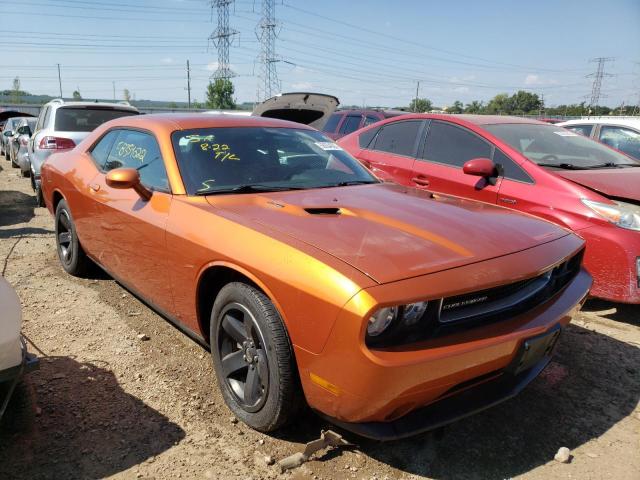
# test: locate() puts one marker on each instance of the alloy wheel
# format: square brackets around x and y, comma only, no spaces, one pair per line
[64,237]
[241,349]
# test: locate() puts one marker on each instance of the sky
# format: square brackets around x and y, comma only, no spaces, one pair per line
[366,53]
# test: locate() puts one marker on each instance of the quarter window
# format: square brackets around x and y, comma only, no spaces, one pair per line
[350,124]
[398,138]
[47,114]
[453,145]
[510,169]
[101,150]
[139,150]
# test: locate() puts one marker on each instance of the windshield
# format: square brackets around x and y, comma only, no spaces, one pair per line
[239,160]
[549,145]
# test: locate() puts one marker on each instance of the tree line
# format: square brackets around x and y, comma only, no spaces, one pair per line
[522,103]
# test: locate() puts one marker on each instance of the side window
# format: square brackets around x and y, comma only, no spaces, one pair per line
[581,129]
[398,138]
[101,149]
[47,115]
[40,123]
[620,138]
[350,124]
[453,145]
[332,123]
[510,169]
[369,119]
[139,150]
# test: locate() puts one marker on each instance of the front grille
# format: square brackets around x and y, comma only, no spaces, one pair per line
[505,301]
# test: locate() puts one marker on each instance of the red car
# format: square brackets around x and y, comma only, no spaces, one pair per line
[527,165]
[344,122]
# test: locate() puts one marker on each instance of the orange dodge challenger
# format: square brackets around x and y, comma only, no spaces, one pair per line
[388,310]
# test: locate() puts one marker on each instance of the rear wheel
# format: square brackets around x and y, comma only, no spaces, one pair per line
[39,196]
[253,358]
[70,252]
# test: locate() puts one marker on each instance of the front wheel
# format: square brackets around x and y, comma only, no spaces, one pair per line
[70,252]
[253,358]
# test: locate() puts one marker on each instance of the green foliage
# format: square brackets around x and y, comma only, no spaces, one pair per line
[220,95]
[474,107]
[456,107]
[76,95]
[420,105]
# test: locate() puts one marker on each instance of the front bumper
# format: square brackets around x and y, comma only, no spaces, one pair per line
[611,257]
[449,409]
[352,384]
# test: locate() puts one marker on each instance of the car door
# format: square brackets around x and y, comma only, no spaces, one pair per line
[439,166]
[624,139]
[392,151]
[132,230]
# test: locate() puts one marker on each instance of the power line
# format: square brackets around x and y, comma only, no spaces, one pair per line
[221,38]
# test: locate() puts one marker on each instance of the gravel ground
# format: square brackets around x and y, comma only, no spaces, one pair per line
[106,403]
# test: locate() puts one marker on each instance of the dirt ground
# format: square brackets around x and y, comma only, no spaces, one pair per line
[108,404]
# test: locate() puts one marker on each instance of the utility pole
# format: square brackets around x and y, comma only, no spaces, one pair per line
[114,91]
[222,38]
[268,83]
[59,80]
[188,84]
[541,109]
[598,75]
[415,103]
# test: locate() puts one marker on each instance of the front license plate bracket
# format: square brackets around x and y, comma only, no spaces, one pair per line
[534,349]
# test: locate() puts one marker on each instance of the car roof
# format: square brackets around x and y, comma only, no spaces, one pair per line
[628,122]
[473,119]
[116,105]
[187,121]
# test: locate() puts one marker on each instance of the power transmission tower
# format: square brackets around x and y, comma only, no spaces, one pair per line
[222,38]
[268,83]
[597,76]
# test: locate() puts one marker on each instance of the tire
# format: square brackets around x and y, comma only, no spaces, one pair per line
[248,333]
[12,159]
[25,173]
[39,196]
[72,257]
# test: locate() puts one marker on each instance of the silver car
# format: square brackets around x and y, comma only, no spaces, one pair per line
[19,143]
[62,125]
[8,131]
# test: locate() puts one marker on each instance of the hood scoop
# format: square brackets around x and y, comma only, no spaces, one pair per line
[323,211]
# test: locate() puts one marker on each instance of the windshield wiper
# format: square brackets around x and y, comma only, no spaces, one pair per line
[614,165]
[348,183]
[565,166]
[248,188]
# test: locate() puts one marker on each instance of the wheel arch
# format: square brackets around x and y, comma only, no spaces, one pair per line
[212,278]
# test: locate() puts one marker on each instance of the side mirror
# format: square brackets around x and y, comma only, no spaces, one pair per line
[480,167]
[124,178]
[7,133]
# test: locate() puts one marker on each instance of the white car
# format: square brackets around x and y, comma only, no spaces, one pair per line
[14,358]
[621,133]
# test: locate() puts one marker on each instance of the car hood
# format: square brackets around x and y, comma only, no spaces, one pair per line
[311,109]
[389,232]
[614,182]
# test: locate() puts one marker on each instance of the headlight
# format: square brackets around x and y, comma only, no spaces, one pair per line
[380,321]
[387,319]
[621,214]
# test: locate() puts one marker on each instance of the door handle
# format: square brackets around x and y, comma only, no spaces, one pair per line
[510,201]
[94,187]
[422,181]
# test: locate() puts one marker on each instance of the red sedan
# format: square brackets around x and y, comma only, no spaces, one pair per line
[526,165]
